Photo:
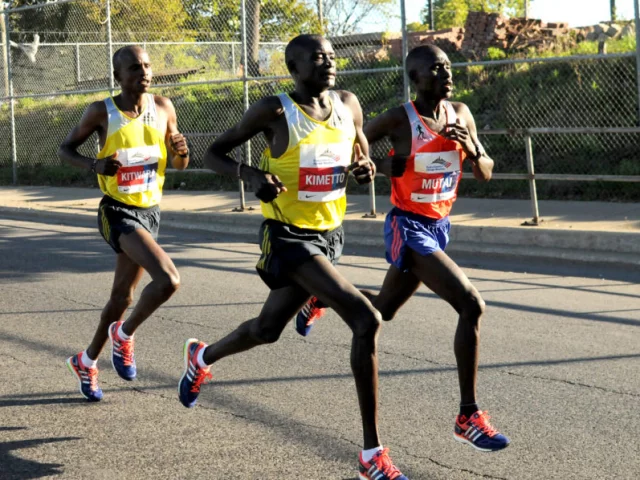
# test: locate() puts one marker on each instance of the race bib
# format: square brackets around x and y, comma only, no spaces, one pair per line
[323,171]
[438,176]
[139,171]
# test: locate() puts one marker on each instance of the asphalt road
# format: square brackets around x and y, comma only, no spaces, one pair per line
[559,374]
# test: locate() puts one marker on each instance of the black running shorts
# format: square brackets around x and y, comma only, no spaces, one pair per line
[116,218]
[284,246]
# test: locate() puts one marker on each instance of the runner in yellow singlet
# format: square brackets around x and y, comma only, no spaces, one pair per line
[301,184]
[136,129]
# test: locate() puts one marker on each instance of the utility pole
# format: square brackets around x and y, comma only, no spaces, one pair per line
[321,17]
[5,52]
[431,18]
[612,8]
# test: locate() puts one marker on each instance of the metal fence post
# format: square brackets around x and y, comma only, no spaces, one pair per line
[532,181]
[245,91]
[405,50]
[7,46]
[636,12]
[110,48]
[78,76]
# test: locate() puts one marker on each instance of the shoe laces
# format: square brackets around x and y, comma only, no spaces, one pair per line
[481,422]
[383,463]
[201,375]
[126,349]
[92,373]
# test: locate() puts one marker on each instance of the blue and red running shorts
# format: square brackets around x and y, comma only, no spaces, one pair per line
[405,230]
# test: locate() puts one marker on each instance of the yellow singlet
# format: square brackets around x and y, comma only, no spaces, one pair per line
[142,152]
[313,168]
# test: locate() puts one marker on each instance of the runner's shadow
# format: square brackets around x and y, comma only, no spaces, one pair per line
[40,401]
[13,467]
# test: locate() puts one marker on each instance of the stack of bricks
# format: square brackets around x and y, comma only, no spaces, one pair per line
[485,30]
[449,40]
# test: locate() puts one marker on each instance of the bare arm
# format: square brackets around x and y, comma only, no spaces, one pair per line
[467,136]
[381,127]
[363,168]
[258,118]
[92,121]
[174,140]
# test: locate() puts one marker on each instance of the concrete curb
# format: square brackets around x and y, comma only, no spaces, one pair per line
[611,248]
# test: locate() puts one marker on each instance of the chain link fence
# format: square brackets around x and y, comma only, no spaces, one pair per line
[216,61]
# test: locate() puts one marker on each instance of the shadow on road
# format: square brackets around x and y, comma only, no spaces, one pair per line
[13,467]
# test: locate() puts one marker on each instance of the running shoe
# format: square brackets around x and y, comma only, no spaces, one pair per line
[380,468]
[87,378]
[311,312]
[193,376]
[122,359]
[479,433]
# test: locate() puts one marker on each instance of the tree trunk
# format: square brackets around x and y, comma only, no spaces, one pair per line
[253,37]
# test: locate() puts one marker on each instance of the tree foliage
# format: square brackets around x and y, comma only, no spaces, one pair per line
[453,13]
[343,17]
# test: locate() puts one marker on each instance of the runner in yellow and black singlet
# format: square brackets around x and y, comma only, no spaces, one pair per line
[301,184]
[136,130]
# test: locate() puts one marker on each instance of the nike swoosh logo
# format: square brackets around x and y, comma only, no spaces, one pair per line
[309,196]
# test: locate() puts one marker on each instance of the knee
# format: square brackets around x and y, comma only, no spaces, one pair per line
[387,315]
[473,307]
[169,283]
[367,322]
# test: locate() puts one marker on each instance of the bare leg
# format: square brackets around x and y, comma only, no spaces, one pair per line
[125,281]
[143,250]
[397,288]
[441,274]
[280,307]
[319,277]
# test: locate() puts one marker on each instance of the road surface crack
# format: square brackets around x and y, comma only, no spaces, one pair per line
[570,382]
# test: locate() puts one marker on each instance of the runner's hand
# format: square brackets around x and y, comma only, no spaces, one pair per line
[363,168]
[179,145]
[266,185]
[393,165]
[460,134]
[108,166]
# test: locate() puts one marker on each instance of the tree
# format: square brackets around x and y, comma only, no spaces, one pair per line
[453,13]
[343,17]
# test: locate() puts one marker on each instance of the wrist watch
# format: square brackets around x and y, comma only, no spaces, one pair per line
[93,165]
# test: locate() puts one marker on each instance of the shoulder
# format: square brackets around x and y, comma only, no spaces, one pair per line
[269,107]
[461,109]
[96,111]
[348,98]
[393,117]
[163,102]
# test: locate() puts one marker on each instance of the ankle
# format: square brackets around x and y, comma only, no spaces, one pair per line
[468,409]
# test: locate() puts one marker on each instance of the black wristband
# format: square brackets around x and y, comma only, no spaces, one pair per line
[185,155]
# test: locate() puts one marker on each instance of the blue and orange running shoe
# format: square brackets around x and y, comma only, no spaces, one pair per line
[87,377]
[193,376]
[380,468]
[122,359]
[479,433]
[312,311]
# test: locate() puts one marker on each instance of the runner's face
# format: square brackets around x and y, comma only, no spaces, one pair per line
[433,76]
[135,72]
[316,65]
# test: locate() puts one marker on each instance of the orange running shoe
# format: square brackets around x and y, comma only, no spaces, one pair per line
[380,468]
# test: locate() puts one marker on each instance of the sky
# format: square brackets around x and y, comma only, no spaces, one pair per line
[577,12]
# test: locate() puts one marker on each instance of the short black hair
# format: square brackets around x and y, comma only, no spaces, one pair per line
[419,55]
[121,54]
[301,42]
